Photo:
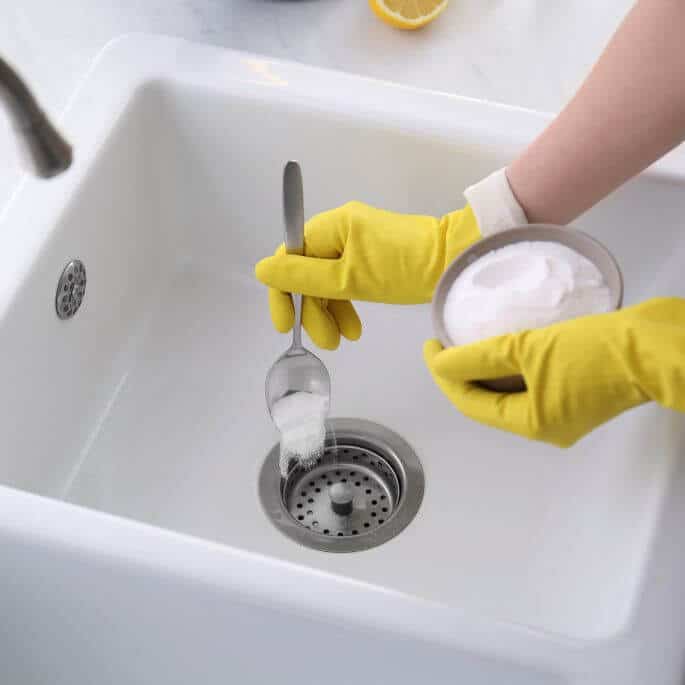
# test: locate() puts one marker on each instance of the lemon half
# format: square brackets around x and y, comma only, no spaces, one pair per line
[407,14]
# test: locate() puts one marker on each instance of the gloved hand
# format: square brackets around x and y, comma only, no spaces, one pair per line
[580,373]
[357,252]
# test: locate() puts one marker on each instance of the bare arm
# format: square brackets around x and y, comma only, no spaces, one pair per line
[629,112]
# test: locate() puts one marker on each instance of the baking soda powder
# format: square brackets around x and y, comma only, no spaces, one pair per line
[521,286]
[301,419]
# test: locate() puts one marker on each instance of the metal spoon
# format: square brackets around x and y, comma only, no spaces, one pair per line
[298,370]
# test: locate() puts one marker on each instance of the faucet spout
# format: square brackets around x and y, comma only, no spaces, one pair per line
[46,151]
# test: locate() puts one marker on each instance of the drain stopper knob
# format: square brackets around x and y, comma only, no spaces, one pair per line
[342,497]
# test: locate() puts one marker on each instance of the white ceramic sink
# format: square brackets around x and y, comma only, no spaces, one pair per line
[134,548]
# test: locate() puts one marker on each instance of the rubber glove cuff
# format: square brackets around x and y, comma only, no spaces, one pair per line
[494,204]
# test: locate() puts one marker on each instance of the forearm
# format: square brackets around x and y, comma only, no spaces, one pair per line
[629,112]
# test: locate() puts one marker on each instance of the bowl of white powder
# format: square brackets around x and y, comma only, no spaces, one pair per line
[523,278]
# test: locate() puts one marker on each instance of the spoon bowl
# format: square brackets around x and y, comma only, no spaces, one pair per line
[297,370]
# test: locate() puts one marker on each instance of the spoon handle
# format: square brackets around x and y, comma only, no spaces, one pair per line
[293,213]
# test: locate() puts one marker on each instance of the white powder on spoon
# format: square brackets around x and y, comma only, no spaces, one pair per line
[521,286]
[301,419]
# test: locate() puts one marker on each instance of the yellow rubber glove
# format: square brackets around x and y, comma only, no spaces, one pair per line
[357,252]
[580,373]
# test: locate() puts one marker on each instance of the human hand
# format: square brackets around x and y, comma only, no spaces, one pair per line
[579,373]
[358,252]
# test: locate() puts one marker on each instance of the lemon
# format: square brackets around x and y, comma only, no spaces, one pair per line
[407,14]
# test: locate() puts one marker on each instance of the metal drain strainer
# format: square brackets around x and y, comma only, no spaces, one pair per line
[366,489]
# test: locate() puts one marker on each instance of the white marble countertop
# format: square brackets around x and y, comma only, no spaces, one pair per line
[531,53]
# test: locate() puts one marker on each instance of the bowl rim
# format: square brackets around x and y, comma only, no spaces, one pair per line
[570,236]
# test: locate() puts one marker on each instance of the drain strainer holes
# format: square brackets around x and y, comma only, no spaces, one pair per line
[365,489]
[70,289]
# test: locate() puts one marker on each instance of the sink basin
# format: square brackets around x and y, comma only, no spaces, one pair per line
[134,545]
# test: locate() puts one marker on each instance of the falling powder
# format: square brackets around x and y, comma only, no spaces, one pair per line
[301,419]
[521,286]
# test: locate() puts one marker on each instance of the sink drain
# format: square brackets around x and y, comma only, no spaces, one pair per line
[365,489]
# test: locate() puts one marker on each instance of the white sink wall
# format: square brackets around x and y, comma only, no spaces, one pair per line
[150,402]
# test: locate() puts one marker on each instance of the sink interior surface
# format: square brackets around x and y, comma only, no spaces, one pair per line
[151,400]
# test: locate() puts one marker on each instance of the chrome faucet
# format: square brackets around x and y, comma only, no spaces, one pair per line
[46,151]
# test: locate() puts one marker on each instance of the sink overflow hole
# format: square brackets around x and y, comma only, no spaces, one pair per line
[71,289]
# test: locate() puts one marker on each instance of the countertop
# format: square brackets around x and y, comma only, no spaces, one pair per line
[531,53]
